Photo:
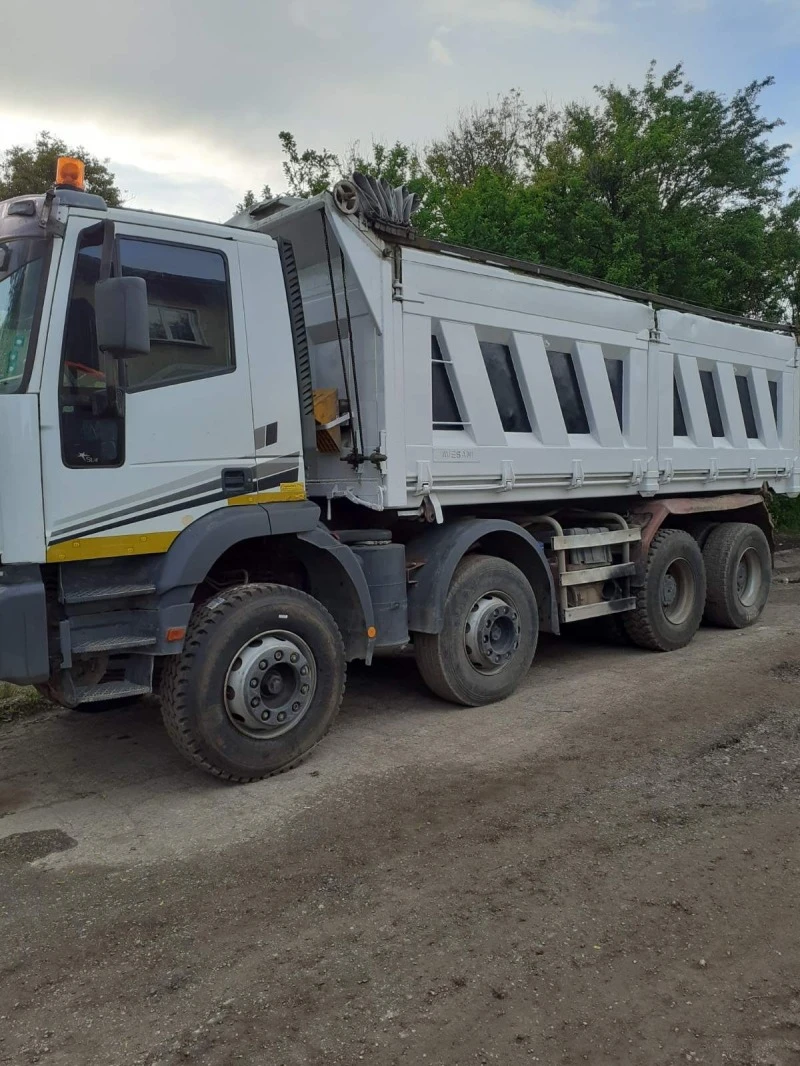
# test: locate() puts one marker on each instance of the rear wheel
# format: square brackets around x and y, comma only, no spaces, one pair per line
[670,603]
[489,635]
[258,685]
[739,570]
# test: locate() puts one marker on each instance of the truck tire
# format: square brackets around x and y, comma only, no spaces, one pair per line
[489,635]
[258,684]
[670,604]
[739,573]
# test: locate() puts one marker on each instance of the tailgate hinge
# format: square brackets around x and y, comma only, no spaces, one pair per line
[507,477]
[424,478]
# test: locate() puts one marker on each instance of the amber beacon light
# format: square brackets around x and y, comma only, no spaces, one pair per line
[70,173]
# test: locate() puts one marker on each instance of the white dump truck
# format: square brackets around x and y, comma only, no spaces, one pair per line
[235,457]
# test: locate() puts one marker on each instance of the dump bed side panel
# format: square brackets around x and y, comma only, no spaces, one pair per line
[547,385]
[519,388]
[728,404]
[483,384]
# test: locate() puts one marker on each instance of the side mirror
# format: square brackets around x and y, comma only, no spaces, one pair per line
[121,316]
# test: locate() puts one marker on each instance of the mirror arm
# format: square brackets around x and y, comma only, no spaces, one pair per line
[109,267]
[108,264]
[115,395]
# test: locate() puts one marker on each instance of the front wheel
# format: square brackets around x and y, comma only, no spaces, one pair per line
[258,685]
[488,638]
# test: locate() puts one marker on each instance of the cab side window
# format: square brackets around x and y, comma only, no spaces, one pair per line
[190,321]
[188,293]
[92,432]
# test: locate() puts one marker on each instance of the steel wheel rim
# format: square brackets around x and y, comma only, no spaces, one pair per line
[678,592]
[492,633]
[749,577]
[270,684]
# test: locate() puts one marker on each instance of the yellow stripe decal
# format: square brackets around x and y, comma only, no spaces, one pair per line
[111,547]
[157,543]
[289,490]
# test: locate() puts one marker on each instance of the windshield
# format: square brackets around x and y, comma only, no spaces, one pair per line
[22,274]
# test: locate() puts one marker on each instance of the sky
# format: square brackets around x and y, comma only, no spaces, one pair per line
[186,97]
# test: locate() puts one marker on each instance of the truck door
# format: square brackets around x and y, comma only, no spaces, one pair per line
[125,476]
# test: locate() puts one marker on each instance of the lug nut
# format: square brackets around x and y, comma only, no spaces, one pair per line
[293,657]
[254,683]
[263,664]
[295,706]
[282,716]
[265,716]
[304,670]
[278,656]
[303,690]
[255,702]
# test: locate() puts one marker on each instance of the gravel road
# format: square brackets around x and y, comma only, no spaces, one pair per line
[602,869]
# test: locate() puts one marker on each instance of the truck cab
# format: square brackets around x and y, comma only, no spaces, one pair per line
[166,424]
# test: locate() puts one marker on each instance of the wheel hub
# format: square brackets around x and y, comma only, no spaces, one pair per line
[677,592]
[270,684]
[669,590]
[749,578]
[491,633]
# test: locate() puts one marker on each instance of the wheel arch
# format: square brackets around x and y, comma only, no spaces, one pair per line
[337,580]
[433,557]
[335,576]
[698,515]
[193,554]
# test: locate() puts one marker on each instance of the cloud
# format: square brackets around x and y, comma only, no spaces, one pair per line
[438,53]
[171,170]
[580,16]
[187,97]
[325,20]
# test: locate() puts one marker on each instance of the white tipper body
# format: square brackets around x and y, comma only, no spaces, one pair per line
[462,303]
[180,438]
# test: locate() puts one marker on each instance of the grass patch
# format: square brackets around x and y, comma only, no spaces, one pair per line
[17,702]
[785,513]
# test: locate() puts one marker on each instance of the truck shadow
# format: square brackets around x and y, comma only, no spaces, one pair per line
[393,686]
[88,753]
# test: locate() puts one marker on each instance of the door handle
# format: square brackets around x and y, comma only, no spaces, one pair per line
[237,481]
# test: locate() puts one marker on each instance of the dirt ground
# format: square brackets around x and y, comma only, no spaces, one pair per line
[602,869]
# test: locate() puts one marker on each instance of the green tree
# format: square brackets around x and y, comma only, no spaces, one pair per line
[785,235]
[670,188]
[508,137]
[310,172]
[249,200]
[398,163]
[33,170]
[661,186]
